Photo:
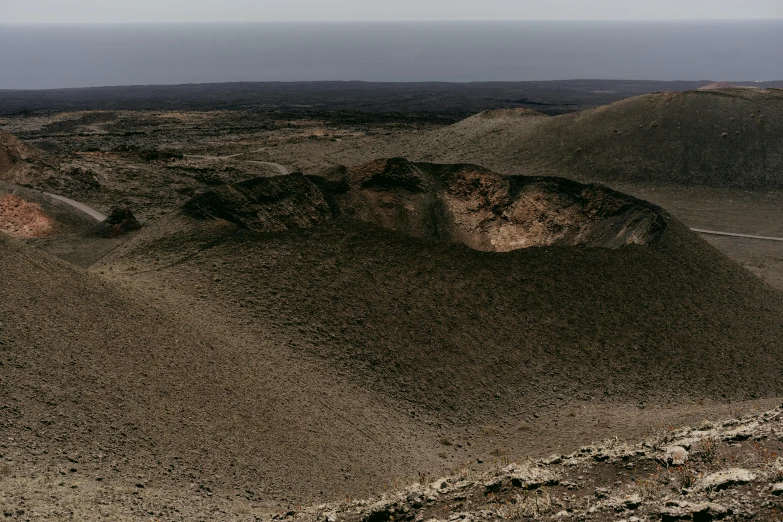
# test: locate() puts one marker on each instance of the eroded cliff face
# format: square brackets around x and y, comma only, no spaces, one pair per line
[487,211]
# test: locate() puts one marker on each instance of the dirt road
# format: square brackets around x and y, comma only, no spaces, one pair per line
[98,216]
[280,168]
[731,234]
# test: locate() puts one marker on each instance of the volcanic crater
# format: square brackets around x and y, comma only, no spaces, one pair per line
[456,203]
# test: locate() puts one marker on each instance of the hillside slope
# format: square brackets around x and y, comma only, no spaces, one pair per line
[473,337]
[110,383]
[718,138]
[253,350]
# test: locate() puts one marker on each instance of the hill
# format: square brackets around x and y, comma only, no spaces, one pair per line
[466,336]
[717,138]
[109,384]
[259,347]
[724,85]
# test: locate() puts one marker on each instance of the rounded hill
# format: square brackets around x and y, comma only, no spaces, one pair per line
[717,137]
[106,381]
[462,334]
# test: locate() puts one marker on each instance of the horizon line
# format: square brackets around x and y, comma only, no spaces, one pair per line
[246,22]
[191,84]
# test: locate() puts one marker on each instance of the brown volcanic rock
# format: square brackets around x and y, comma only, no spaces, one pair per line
[263,204]
[327,359]
[115,383]
[16,158]
[486,211]
[120,221]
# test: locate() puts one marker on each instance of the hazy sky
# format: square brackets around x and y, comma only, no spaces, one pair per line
[12,11]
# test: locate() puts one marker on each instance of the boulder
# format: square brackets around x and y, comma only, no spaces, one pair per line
[725,479]
[120,221]
[676,455]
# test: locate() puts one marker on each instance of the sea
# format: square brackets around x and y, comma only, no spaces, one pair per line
[58,56]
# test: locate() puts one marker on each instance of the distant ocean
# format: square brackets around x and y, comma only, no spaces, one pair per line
[51,56]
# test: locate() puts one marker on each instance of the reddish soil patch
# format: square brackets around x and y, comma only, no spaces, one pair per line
[23,219]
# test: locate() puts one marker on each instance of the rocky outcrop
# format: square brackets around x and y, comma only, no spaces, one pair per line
[725,479]
[263,204]
[455,203]
[608,481]
[120,221]
[487,211]
[16,158]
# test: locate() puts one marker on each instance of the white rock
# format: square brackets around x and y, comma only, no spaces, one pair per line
[632,501]
[439,484]
[415,496]
[683,509]
[777,467]
[777,489]
[709,508]
[742,432]
[676,455]
[382,506]
[622,503]
[526,476]
[686,443]
[726,478]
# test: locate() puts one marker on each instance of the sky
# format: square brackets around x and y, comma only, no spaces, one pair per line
[112,11]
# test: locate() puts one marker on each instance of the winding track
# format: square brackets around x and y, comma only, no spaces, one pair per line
[98,216]
[280,168]
[732,234]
